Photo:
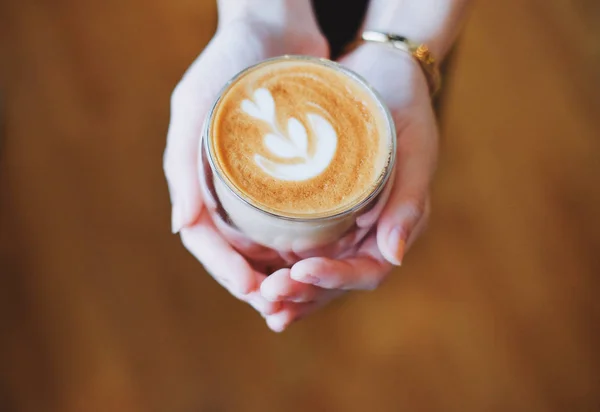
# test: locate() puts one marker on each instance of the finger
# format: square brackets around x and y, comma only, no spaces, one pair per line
[363,272]
[359,273]
[243,244]
[416,155]
[281,287]
[421,226]
[254,299]
[224,264]
[407,205]
[191,100]
[293,312]
[220,260]
[258,302]
[181,154]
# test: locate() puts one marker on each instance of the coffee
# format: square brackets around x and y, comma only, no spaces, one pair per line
[300,140]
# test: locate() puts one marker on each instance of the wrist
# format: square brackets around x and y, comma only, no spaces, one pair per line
[431,22]
[369,54]
[274,13]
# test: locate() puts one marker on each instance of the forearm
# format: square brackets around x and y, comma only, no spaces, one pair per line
[273,12]
[433,22]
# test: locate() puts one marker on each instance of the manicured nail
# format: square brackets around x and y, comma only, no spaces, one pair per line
[270,295]
[397,243]
[313,280]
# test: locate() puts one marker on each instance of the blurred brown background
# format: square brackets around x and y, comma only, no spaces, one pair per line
[101,309]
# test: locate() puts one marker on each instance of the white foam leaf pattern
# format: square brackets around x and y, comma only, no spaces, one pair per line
[266,104]
[263,106]
[252,109]
[295,145]
[280,147]
[298,135]
[326,140]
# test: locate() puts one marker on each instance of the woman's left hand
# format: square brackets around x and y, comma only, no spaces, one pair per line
[313,282]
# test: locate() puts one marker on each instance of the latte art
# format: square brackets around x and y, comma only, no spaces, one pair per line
[300,138]
[294,144]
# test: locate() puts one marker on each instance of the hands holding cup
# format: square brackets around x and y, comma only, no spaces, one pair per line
[287,281]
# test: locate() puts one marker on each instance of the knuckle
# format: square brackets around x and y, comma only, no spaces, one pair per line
[244,285]
[173,164]
[170,177]
[166,162]
[415,207]
[177,94]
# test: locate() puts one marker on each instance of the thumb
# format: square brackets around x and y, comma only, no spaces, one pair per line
[407,210]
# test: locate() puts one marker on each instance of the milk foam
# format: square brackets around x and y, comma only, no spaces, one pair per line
[300,138]
[293,144]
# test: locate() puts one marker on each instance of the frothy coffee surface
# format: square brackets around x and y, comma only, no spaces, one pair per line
[299,138]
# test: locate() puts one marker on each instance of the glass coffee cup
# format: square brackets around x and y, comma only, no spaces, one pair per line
[264,235]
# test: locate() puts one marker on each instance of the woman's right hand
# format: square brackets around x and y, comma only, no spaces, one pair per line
[243,38]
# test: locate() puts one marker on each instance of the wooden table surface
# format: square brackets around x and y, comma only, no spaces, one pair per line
[101,309]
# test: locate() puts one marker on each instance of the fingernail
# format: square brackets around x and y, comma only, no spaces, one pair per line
[397,243]
[270,295]
[264,306]
[276,323]
[176,219]
[313,280]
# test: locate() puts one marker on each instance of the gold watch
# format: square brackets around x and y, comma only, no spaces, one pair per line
[420,52]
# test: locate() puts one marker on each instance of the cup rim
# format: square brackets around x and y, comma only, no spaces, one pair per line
[215,167]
